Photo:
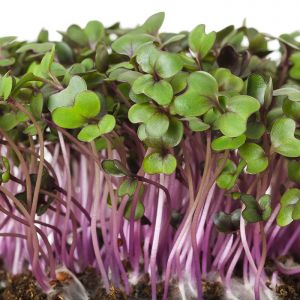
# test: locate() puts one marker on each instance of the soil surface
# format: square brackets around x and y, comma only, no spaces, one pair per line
[24,287]
[19,287]
[289,289]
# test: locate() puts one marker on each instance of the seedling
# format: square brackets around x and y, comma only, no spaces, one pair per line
[168,151]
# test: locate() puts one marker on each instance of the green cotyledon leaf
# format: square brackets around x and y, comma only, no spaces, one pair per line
[129,43]
[4,169]
[152,24]
[256,211]
[89,133]
[230,173]
[160,91]
[127,187]
[283,137]
[294,170]
[139,211]
[157,124]
[225,142]
[36,47]
[170,138]
[199,96]
[87,105]
[141,112]
[67,96]
[93,131]
[6,84]
[95,31]
[291,109]
[226,179]
[238,109]
[227,81]
[227,223]
[196,124]
[200,42]
[10,120]
[155,61]
[114,167]
[156,163]
[289,207]
[36,105]
[255,158]
[260,88]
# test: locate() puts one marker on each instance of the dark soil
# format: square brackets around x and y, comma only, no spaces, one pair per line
[24,287]
[19,287]
[290,287]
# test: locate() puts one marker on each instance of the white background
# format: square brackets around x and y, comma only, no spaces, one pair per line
[24,18]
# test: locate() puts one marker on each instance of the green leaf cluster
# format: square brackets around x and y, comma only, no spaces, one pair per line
[153,100]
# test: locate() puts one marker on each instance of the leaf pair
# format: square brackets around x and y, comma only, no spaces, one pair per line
[128,187]
[157,131]
[67,96]
[43,69]
[160,91]
[256,211]
[202,89]
[129,43]
[170,138]
[229,175]
[255,158]
[200,42]
[86,106]
[289,207]
[283,138]
[91,34]
[158,163]
[153,61]
[156,122]
[227,223]
[239,108]
[93,131]
[227,82]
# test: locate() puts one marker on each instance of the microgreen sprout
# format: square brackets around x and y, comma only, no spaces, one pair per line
[159,153]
